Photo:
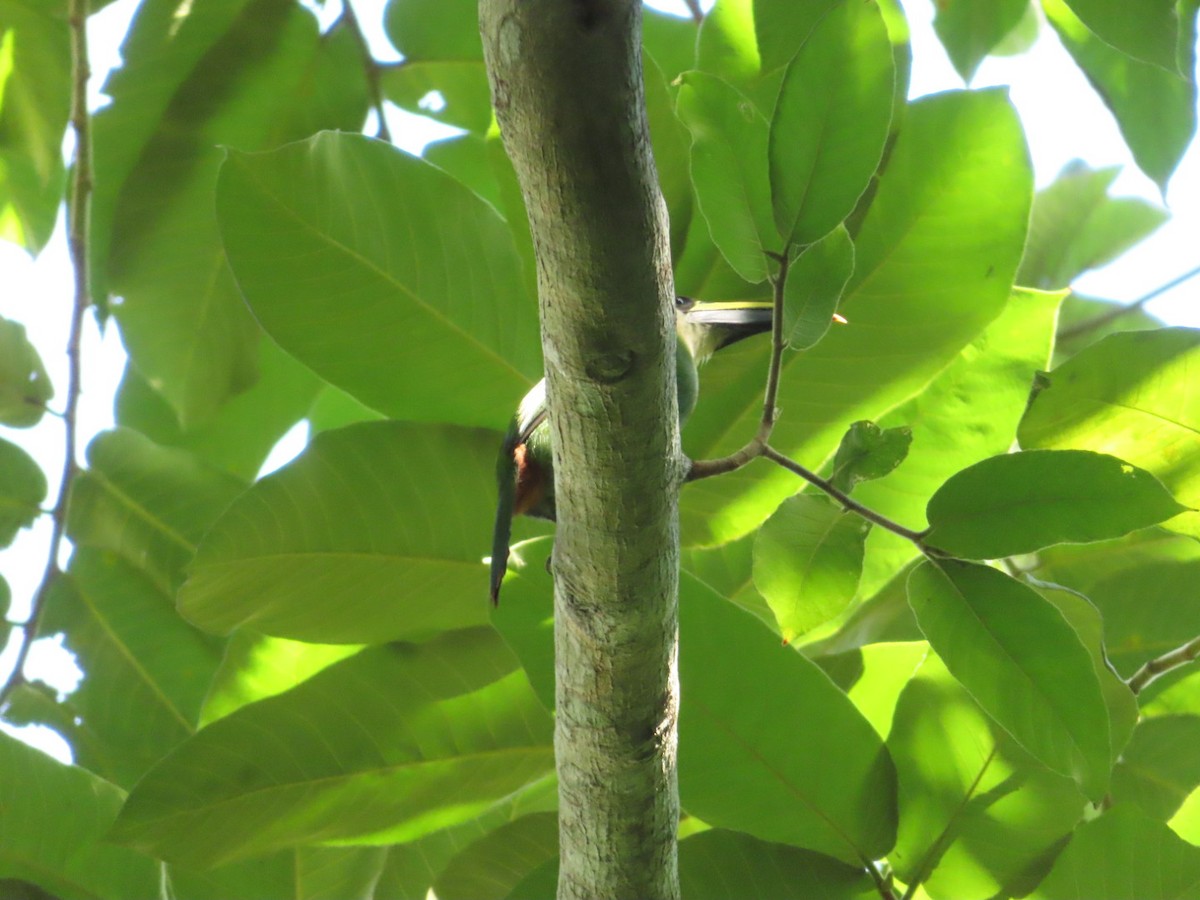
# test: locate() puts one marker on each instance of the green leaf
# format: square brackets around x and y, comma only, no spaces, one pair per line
[951,429]
[386,746]
[971,29]
[1076,226]
[1120,855]
[24,386]
[496,863]
[978,816]
[729,570]
[376,532]
[442,52]
[830,122]
[415,308]
[935,256]
[1148,31]
[828,789]
[727,865]
[816,281]
[868,452]
[807,560]
[55,817]
[729,171]
[242,433]
[1021,502]
[22,491]
[1161,765]
[1133,395]
[781,29]
[149,504]
[130,644]
[306,873]
[1147,611]
[35,97]
[1021,661]
[182,317]
[1155,109]
[526,617]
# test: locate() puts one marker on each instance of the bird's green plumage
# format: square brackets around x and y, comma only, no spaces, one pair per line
[525,468]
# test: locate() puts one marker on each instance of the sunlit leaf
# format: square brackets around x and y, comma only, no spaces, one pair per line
[376,532]
[415,308]
[1147,31]
[868,452]
[1120,855]
[22,491]
[978,815]
[390,744]
[1161,765]
[970,29]
[24,386]
[1020,661]
[765,770]
[55,817]
[1021,502]
[830,122]
[807,560]
[816,280]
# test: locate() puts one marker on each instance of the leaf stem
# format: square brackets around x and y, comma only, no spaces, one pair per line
[1104,318]
[770,411]
[1161,665]
[78,214]
[370,67]
[848,503]
[694,8]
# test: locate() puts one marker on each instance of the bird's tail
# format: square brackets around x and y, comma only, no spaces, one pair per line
[506,484]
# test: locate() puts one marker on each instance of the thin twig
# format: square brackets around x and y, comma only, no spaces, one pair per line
[1104,318]
[370,67]
[770,412]
[849,504]
[881,883]
[1161,665]
[694,8]
[78,210]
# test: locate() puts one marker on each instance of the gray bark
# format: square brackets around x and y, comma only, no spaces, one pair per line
[567,87]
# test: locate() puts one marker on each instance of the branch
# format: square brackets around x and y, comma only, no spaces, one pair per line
[694,8]
[78,210]
[1104,318]
[370,67]
[605,295]
[770,411]
[1161,665]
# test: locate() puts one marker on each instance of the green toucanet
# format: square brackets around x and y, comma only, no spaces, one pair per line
[525,469]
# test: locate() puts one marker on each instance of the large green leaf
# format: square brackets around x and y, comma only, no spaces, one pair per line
[1122,855]
[55,817]
[393,743]
[1161,765]
[131,645]
[771,770]
[1021,661]
[1154,108]
[807,561]
[149,504]
[726,865]
[1148,610]
[384,275]
[830,122]
[729,171]
[376,532]
[1148,30]
[1021,502]
[35,97]
[490,867]
[306,873]
[1076,226]
[242,433]
[970,29]
[24,386]
[1135,395]
[951,428]
[22,490]
[816,280]
[182,319]
[442,53]
[935,257]
[978,815]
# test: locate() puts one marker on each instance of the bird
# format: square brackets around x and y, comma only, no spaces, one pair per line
[525,465]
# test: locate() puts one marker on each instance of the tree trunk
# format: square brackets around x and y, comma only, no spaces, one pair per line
[567,88]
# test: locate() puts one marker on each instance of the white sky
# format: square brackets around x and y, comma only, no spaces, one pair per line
[1064,120]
